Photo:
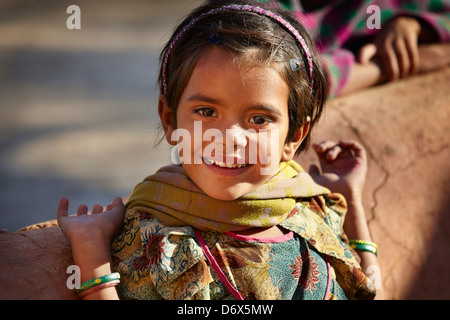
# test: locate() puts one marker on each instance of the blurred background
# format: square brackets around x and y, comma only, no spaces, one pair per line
[78,108]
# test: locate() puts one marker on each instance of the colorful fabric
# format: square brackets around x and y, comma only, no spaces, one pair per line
[172,197]
[158,261]
[339,27]
[272,268]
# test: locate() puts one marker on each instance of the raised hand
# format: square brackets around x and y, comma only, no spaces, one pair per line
[90,236]
[100,224]
[343,167]
[396,47]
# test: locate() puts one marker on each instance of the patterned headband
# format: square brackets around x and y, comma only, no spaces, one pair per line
[234,7]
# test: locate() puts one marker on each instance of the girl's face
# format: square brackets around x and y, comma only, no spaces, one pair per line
[232,120]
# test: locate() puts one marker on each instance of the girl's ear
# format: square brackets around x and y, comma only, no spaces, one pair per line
[166,117]
[292,146]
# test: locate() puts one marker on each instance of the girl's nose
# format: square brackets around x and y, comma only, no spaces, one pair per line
[238,135]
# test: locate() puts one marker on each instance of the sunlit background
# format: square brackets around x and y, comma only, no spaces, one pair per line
[78,108]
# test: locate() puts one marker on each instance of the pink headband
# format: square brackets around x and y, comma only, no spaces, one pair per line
[248,8]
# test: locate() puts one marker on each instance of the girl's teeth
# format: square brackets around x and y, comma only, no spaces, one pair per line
[224,165]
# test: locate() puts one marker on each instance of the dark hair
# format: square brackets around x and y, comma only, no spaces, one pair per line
[241,32]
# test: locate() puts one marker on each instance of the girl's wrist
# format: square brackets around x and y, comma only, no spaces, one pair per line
[95,261]
[351,193]
[93,256]
[89,237]
[355,224]
[354,203]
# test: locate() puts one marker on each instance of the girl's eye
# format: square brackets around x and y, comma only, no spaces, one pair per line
[260,120]
[206,112]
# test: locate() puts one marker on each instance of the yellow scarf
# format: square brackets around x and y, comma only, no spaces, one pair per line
[172,197]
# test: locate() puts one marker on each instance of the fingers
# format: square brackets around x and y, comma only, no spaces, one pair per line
[118,209]
[402,56]
[333,152]
[117,202]
[407,52]
[324,145]
[355,146]
[97,209]
[367,52]
[389,62]
[413,54]
[82,210]
[330,150]
[63,209]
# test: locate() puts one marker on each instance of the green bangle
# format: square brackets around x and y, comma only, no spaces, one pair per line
[97,281]
[363,245]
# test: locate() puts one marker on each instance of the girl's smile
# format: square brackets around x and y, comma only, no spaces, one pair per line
[226,169]
[244,103]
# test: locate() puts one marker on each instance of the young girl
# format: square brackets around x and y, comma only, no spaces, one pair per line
[242,86]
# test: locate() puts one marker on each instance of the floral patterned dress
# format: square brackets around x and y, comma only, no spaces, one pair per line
[311,261]
[270,268]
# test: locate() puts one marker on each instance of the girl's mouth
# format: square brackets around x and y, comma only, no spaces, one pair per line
[226,169]
[225,165]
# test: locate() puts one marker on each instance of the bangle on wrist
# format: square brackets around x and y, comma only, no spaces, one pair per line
[362,245]
[106,281]
[105,285]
